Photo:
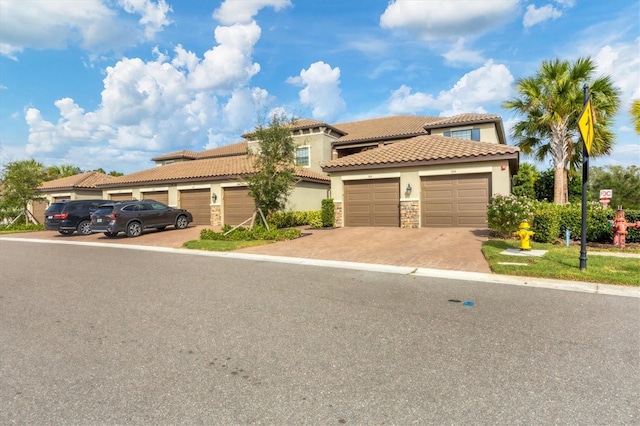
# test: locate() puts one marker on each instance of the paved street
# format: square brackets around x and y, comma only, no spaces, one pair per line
[103,335]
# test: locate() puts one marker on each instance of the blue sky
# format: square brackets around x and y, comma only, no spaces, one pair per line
[112,83]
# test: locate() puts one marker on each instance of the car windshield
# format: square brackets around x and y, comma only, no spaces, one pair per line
[55,208]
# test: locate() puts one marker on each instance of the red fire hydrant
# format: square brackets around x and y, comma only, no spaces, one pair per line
[620,226]
[524,234]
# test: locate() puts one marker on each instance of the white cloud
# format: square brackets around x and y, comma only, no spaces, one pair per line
[534,15]
[153,16]
[229,64]
[242,11]
[321,90]
[445,19]
[621,62]
[92,24]
[486,85]
[460,55]
[146,108]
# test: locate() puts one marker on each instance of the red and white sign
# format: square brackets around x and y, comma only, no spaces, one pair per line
[605,194]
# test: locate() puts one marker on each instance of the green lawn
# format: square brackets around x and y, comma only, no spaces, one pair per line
[217,245]
[561,262]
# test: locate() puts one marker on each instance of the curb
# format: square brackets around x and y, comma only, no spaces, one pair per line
[576,286]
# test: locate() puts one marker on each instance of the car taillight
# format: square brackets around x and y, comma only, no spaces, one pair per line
[113,216]
[60,215]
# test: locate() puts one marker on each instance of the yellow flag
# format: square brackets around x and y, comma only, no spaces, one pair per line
[585,124]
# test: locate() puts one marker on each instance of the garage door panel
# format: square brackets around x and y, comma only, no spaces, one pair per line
[360,197]
[459,200]
[160,196]
[439,207]
[197,202]
[239,205]
[121,197]
[372,202]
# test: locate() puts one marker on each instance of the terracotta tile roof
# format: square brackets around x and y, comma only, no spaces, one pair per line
[81,180]
[301,124]
[385,128]
[463,119]
[238,148]
[421,150]
[200,170]
[178,155]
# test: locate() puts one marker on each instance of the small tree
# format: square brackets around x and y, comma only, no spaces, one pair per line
[275,175]
[20,182]
[524,182]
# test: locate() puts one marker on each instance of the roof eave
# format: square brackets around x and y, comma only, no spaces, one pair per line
[511,156]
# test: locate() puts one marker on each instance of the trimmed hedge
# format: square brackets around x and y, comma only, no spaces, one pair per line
[292,219]
[550,221]
[328,213]
[546,223]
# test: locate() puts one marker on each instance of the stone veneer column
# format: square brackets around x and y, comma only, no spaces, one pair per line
[409,214]
[216,217]
[337,210]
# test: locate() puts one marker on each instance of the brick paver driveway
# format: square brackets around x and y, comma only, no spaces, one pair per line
[438,248]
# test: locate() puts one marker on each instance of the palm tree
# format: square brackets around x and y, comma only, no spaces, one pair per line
[635,115]
[63,170]
[551,103]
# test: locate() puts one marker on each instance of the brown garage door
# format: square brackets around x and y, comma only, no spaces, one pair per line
[161,196]
[374,202]
[38,209]
[455,201]
[238,205]
[197,202]
[121,197]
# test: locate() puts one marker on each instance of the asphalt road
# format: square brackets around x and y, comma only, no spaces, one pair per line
[102,335]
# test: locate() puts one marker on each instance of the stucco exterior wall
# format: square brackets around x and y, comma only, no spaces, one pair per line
[411,176]
[307,196]
[488,132]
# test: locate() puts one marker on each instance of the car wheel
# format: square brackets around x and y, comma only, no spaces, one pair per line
[161,228]
[65,232]
[134,229]
[84,227]
[182,222]
[110,234]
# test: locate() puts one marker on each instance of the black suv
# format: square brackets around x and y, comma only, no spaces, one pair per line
[132,217]
[66,217]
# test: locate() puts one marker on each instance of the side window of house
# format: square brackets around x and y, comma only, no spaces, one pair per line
[470,134]
[302,156]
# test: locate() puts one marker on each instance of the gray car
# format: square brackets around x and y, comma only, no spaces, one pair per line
[132,217]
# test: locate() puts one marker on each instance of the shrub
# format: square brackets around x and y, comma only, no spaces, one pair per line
[248,234]
[328,213]
[314,219]
[21,226]
[291,219]
[598,222]
[546,223]
[506,212]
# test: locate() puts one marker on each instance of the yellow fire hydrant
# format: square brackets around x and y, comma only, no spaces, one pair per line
[524,234]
